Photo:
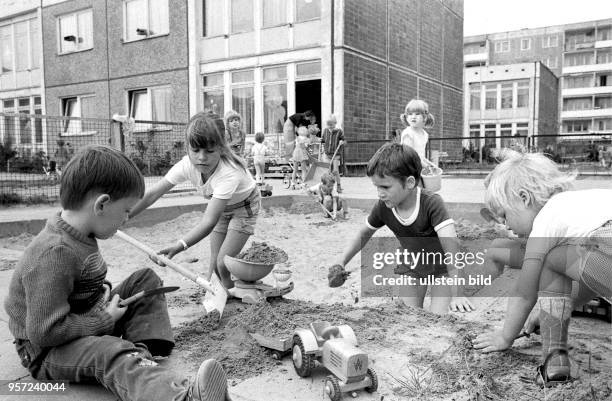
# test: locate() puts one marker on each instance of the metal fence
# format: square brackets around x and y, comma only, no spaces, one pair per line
[35,148]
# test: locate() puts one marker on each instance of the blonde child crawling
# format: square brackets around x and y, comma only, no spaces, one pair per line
[569,239]
[328,197]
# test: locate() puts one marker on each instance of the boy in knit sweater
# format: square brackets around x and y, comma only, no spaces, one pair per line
[65,316]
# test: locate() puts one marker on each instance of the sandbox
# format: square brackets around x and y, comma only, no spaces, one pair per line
[418,355]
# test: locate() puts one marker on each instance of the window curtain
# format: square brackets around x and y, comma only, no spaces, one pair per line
[275,103]
[242,16]
[158,17]
[135,17]
[307,9]
[274,12]
[85,39]
[161,104]
[35,42]
[213,101]
[243,103]
[6,49]
[88,110]
[215,15]
[21,46]
[68,27]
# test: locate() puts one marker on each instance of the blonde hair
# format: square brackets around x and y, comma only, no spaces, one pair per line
[531,172]
[302,131]
[331,118]
[229,115]
[419,106]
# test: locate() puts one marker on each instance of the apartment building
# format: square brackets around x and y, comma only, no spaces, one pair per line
[361,60]
[21,77]
[504,102]
[579,54]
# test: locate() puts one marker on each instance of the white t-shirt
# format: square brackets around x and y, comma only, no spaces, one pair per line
[568,215]
[227,182]
[259,150]
[416,140]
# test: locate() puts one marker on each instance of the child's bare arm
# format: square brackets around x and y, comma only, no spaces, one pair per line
[153,194]
[450,245]
[363,236]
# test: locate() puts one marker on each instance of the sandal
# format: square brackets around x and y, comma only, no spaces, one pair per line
[542,377]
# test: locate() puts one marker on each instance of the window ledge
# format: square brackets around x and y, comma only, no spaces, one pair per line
[83,133]
[75,51]
[124,41]
[276,26]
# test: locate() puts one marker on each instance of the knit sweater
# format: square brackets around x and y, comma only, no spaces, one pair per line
[56,292]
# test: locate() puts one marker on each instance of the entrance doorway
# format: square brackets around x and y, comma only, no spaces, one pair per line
[308,97]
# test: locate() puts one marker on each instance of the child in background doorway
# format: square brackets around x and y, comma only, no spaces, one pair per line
[419,220]
[234,200]
[569,239]
[66,319]
[258,151]
[300,155]
[234,135]
[327,194]
[331,138]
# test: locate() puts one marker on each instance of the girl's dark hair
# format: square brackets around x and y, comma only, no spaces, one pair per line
[99,169]
[395,160]
[308,114]
[206,132]
[260,137]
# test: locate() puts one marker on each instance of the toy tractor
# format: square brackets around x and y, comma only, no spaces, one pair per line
[334,347]
[264,189]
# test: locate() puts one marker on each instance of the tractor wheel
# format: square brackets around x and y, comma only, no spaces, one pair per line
[302,362]
[269,193]
[287,180]
[374,379]
[332,388]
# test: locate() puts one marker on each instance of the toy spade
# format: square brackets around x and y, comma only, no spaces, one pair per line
[217,297]
[146,293]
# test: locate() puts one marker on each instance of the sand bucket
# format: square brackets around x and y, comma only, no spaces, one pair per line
[432,178]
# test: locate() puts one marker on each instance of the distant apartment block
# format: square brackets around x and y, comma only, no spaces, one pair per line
[504,102]
[21,77]
[361,60]
[579,54]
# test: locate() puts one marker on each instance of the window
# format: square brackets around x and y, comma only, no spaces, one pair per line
[550,41]
[491,97]
[307,9]
[274,12]
[213,93]
[490,133]
[243,100]
[35,51]
[275,99]
[506,95]
[308,69]
[80,108]
[551,62]
[22,59]
[25,124]
[242,16]
[214,16]
[578,81]
[603,102]
[525,44]
[145,18]
[505,130]
[475,96]
[38,132]
[152,104]
[6,49]
[522,129]
[577,126]
[577,104]
[578,59]
[76,31]
[522,93]
[604,33]
[604,125]
[604,57]
[502,47]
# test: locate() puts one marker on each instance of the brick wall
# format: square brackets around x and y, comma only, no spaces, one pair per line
[419,54]
[548,107]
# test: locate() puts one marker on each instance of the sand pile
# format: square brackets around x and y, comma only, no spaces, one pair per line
[261,252]
[468,230]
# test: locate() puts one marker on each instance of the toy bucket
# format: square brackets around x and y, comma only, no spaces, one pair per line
[432,178]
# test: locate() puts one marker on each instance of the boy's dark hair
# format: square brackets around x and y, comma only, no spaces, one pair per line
[99,169]
[260,137]
[308,114]
[395,160]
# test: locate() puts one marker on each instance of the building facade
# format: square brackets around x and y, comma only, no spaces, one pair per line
[511,102]
[21,75]
[580,55]
[362,61]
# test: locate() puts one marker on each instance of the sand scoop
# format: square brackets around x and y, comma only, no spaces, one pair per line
[318,168]
[216,295]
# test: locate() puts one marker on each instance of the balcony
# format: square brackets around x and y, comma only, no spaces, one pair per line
[577,69]
[476,58]
[572,114]
[603,43]
[594,90]
[570,47]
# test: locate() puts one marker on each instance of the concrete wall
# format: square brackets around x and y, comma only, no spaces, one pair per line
[416,53]
[548,107]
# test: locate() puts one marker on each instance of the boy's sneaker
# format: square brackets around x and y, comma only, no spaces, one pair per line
[210,383]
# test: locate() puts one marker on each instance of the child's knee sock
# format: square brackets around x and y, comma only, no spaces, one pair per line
[555,313]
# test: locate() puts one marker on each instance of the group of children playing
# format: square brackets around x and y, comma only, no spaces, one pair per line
[68,324]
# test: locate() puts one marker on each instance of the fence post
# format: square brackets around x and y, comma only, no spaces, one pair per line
[117,140]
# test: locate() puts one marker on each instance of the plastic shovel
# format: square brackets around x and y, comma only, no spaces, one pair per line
[146,293]
[216,293]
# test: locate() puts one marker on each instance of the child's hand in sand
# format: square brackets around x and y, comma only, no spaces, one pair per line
[337,276]
[492,341]
[172,250]
[461,304]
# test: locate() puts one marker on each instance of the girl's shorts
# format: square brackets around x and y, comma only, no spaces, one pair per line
[596,261]
[241,219]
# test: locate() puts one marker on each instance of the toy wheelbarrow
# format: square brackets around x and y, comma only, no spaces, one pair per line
[278,346]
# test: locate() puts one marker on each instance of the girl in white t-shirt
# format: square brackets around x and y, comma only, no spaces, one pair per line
[234,200]
[569,240]
[258,151]
[417,117]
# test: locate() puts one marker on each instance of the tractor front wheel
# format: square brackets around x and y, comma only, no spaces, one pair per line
[374,379]
[302,362]
[332,388]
